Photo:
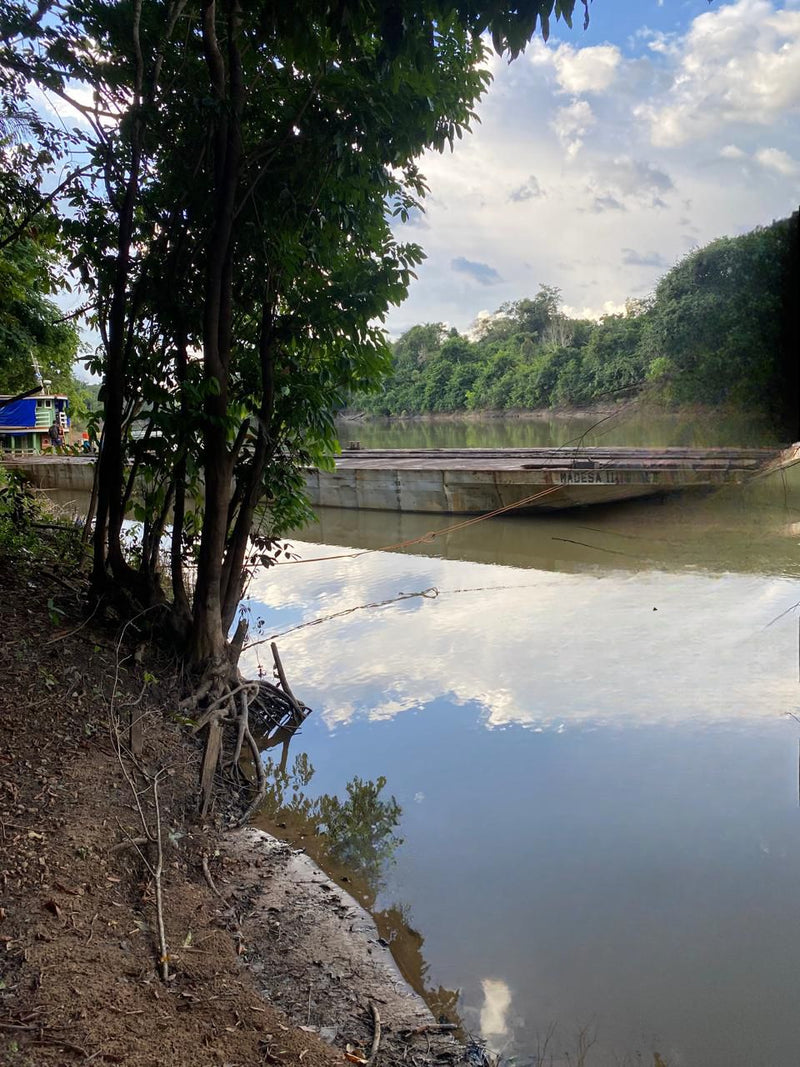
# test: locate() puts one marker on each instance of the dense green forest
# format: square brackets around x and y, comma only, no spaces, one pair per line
[709,334]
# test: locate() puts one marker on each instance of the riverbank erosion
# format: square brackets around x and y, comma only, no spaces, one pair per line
[131,931]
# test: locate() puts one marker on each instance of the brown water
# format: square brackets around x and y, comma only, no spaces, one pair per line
[589,730]
[627,426]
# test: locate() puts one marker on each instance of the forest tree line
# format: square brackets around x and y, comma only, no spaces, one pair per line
[709,334]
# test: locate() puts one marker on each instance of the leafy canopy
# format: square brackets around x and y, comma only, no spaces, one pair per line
[710,334]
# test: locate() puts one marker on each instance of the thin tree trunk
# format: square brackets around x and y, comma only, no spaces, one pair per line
[110,513]
[181,609]
[233,571]
[208,633]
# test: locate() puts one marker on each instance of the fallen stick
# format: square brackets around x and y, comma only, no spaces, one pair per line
[376,1036]
[132,842]
[210,760]
[282,676]
[162,936]
[209,880]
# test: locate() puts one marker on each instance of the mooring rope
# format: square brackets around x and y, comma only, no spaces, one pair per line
[431,535]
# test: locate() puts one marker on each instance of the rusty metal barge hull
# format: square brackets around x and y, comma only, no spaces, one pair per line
[479,480]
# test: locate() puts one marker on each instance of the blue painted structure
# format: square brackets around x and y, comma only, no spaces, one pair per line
[25,423]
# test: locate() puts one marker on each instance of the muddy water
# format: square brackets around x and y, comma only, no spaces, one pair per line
[625,426]
[589,728]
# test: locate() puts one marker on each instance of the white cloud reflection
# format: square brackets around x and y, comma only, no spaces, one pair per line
[534,649]
[494,1011]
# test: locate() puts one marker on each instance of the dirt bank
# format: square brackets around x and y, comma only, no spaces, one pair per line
[297,921]
[256,971]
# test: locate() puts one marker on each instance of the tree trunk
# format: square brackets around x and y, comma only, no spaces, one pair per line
[208,639]
[181,610]
[233,570]
[110,511]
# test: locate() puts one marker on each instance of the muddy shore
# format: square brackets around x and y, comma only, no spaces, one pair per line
[267,961]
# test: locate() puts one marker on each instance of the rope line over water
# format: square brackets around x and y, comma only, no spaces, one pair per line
[431,593]
[431,535]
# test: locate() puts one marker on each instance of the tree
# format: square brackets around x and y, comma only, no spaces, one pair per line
[234,230]
[614,362]
[32,327]
[714,332]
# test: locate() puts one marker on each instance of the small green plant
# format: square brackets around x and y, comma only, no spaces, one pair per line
[48,679]
[56,614]
[30,531]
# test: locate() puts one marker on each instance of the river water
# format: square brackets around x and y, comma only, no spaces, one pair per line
[588,724]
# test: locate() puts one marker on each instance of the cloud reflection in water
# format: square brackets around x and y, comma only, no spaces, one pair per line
[532,648]
[494,1011]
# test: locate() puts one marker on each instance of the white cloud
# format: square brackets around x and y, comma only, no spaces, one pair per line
[496,640]
[778,160]
[56,107]
[584,70]
[554,182]
[739,64]
[626,178]
[660,43]
[594,314]
[571,124]
[529,190]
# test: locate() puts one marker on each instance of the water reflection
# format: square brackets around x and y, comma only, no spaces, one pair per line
[494,1010]
[354,839]
[356,834]
[749,528]
[535,649]
[588,785]
[629,426]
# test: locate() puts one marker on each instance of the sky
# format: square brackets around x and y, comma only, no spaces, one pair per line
[604,156]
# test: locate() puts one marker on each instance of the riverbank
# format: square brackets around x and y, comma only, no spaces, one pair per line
[131,931]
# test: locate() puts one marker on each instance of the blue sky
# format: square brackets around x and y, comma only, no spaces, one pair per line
[604,156]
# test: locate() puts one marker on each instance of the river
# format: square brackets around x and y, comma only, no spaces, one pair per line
[588,724]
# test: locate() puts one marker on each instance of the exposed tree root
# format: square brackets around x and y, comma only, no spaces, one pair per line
[225,703]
